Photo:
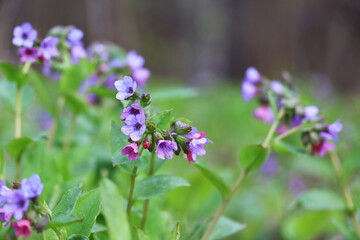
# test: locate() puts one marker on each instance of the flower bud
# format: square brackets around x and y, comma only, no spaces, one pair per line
[151,126]
[305,138]
[167,135]
[315,138]
[158,136]
[180,127]
[183,142]
[145,99]
[16,185]
[42,223]
[177,152]
[148,141]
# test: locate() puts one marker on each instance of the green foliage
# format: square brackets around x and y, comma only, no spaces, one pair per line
[226,227]
[68,201]
[157,185]
[285,148]
[253,156]
[175,233]
[76,103]
[75,74]
[161,119]
[17,146]
[13,74]
[115,216]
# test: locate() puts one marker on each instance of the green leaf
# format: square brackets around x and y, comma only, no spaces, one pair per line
[252,157]
[213,177]
[283,147]
[141,235]
[344,229]
[156,185]
[98,228]
[13,73]
[63,219]
[41,91]
[76,103]
[68,201]
[226,227]
[113,211]
[162,120]
[118,140]
[2,163]
[319,199]
[119,159]
[103,92]
[77,237]
[351,163]
[17,146]
[8,95]
[88,208]
[175,233]
[75,74]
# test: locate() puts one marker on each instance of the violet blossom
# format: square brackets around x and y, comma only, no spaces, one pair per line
[75,36]
[29,54]
[32,187]
[141,75]
[77,52]
[322,147]
[5,217]
[126,88]
[24,35]
[16,204]
[134,126]
[265,114]
[134,60]
[132,150]
[134,109]
[48,47]
[332,130]
[165,148]
[311,112]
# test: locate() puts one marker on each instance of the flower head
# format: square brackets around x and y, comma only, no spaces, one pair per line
[271,167]
[5,217]
[77,52]
[134,126]
[195,134]
[248,90]
[48,47]
[252,75]
[75,36]
[24,35]
[311,112]
[22,228]
[134,60]
[296,120]
[29,54]
[165,148]
[197,147]
[332,130]
[126,88]
[141,75]
[132,151]
[16,204]
[134,109]
[265,114]
[322,147]
[32,187]
[277,87]
[109,81]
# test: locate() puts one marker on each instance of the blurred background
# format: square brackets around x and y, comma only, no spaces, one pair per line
[205,41]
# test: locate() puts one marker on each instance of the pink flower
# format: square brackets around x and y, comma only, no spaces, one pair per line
[265,114]
[22,228]
[132,151]
[322,148]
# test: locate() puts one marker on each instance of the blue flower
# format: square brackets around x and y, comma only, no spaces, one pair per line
[24,35]
[126,88]
[32,187]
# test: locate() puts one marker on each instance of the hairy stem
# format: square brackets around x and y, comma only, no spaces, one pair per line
[226,201]
[147,201]
[288,132]
[335,160]
[131,192]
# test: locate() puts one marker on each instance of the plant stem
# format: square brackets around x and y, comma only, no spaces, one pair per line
[288,132]
[147,201]
[59,106]
[272,129]
[70,133]
[335,160]
[131,192]
[226,201]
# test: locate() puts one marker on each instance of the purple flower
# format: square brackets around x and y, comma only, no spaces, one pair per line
[310,112]
[332,130]
[4,188]
[323,147]
[135,109]
[265,114]
[24,35]
[248,90]
[252,75]
[116,63]
[126,88]
[196,147]
[141,75]
[271,167]
[91,81]
[109,81]
[32,187]
[28,54]
[134,126]
[296,120]
[165,148]
[48,71]
[5,217]
[134,60]
[92,98]
[16,204]
[132,151]
[46,120]
[77,52]
[48,47]
[277,87]
[75,36]
[195,134]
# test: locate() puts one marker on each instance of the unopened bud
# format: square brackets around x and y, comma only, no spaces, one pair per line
[16,185]
[42,223]
[145,99]
[180,127]
[158,136]
[315,138]
[147,142]
[151,126]
[305,138]
[182,141]
[166,134]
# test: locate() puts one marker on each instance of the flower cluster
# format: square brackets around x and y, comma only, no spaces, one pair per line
[21,204]
[144,134]
[315,132]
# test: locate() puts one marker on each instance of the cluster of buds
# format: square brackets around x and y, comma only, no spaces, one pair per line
[315,132]
[21,206]
[144,133]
